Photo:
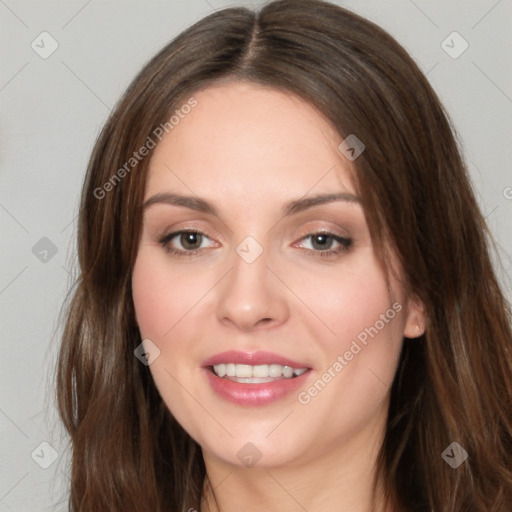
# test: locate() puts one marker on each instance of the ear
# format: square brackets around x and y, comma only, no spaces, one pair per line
[415,318]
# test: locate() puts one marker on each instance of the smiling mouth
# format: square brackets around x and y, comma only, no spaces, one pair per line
[249,374]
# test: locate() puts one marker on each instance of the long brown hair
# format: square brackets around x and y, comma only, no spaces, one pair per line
[454,384]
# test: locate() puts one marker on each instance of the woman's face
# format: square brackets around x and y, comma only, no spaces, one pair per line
[273,278]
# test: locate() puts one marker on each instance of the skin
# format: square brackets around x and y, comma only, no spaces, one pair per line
[250,150]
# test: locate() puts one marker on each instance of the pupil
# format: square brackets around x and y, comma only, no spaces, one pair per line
[190,238]
[322,240]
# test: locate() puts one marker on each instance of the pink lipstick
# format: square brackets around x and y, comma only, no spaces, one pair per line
[254,378]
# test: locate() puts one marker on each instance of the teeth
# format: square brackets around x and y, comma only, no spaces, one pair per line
[275,370]
[262,371]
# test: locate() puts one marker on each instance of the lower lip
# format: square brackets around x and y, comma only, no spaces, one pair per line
[254,394]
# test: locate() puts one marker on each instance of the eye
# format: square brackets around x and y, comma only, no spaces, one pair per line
[189,239]
[323,241]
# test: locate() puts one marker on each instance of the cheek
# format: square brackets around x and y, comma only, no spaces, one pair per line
[163,300]
[161,294]
[148,297]
[350,390]
[361,347]
[354,303]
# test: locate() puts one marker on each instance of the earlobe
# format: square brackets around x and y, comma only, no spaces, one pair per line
[415,318]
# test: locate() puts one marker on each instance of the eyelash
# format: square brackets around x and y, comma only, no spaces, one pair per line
[345,244]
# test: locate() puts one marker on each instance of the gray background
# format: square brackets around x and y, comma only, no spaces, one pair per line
[51,112]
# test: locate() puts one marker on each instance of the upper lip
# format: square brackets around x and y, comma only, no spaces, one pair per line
[252,358]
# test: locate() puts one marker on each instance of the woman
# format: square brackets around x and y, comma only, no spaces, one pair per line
[209,362]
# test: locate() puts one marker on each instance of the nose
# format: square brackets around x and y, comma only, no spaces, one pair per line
[251,296]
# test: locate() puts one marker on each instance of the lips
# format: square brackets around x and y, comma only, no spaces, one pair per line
[254,394]
[246,391]
[253,359]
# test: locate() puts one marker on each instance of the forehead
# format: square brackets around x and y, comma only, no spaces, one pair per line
[246,139]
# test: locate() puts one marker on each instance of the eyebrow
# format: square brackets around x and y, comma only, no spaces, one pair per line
[293,207]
